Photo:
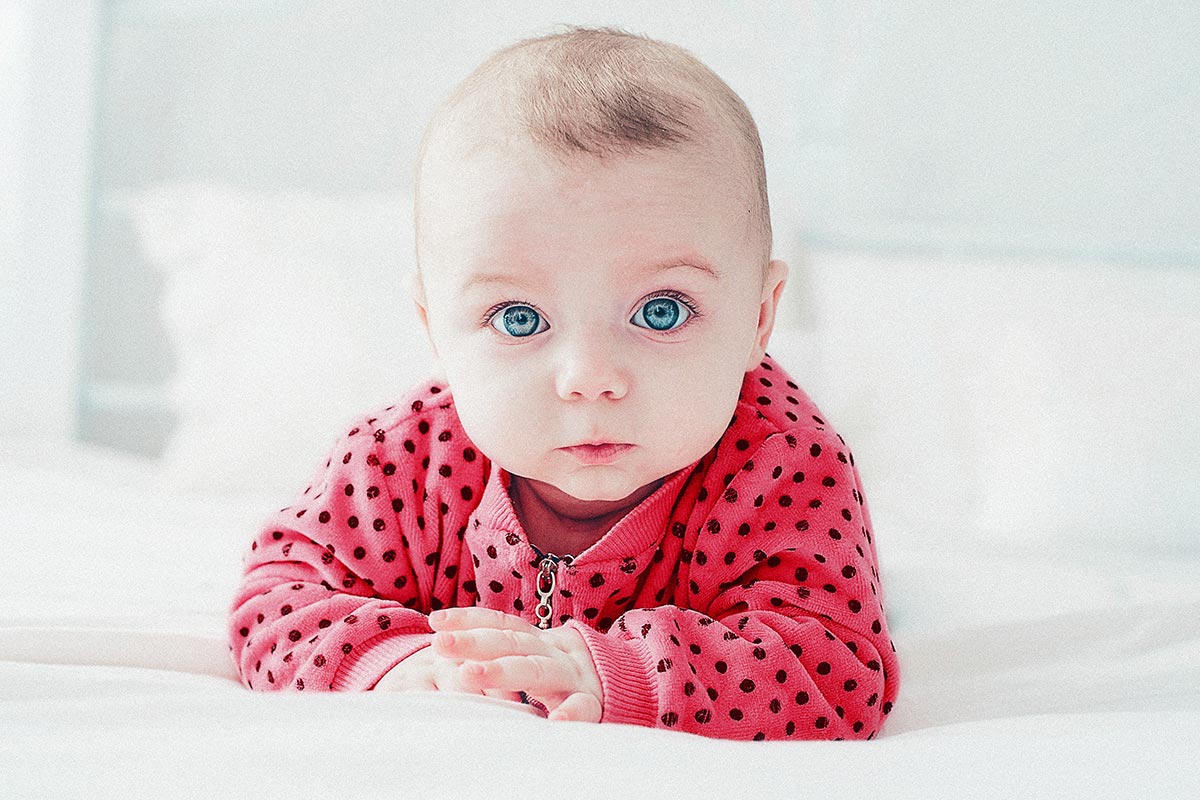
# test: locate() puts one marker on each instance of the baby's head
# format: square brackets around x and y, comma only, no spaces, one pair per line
[593,257]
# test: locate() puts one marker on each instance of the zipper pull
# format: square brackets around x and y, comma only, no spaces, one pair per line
[547,582]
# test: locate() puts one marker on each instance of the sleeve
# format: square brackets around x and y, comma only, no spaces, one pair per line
[337,587]
[783,633]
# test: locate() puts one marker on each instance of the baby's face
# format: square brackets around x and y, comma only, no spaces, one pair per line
[613,301]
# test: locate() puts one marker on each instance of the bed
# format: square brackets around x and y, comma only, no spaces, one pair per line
[1025,674]
[1053,652]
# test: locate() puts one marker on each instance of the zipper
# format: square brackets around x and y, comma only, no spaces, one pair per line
[547,584]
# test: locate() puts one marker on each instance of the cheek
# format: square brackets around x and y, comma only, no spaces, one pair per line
[712,405]
[493,403]
[681,403]
[692,403]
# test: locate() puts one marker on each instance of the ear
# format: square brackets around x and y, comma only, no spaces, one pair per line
[773,285]
[416,290]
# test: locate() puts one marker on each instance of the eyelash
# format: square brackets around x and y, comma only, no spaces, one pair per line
[671,293]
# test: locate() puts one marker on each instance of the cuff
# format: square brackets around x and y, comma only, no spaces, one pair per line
[371,660]
[626,678]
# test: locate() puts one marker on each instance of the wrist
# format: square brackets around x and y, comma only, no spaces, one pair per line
[374,659]
[573,643]
[626,673]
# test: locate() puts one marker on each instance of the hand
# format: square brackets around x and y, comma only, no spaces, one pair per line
[503,651]
[428,670]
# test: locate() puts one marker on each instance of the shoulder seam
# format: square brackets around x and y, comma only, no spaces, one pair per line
[796,427]
[402,411]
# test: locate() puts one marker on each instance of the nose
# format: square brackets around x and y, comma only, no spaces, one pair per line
[590,369]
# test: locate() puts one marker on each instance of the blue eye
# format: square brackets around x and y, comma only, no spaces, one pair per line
[661,314]
[518,321]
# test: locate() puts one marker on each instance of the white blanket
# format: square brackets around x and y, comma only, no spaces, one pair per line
[1024,674]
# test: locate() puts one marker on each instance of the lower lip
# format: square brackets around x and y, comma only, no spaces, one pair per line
[597,453]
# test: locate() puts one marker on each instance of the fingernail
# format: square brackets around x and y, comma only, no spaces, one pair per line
[437,616]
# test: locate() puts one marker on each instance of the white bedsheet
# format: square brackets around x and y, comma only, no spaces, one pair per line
[1024,674]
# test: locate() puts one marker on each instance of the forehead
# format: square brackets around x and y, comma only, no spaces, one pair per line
[504,201]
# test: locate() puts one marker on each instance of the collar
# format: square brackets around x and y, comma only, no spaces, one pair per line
[641,528]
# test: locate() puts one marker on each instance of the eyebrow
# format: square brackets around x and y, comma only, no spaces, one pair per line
[700,265]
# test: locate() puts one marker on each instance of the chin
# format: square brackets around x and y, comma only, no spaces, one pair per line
[598,490]
[595,495]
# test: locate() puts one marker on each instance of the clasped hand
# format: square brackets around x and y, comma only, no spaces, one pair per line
[485,651]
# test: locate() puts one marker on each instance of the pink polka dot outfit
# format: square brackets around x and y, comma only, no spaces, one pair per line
[740,600]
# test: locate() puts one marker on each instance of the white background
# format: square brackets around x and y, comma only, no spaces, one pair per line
[1046,132]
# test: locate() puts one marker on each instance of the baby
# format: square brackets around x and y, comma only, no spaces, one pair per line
[610,503]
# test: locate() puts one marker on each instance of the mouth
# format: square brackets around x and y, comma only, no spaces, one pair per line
[598,452]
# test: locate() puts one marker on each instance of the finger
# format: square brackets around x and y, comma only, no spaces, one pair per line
[414,685]
[535,674]
[448,619]
[579,707]
[504,694]
[485,644]
[449,678]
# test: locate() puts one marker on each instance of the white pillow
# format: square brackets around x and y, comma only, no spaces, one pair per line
[287,316]
[1009,401]
[1012,402]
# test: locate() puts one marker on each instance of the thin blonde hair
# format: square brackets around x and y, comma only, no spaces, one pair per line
[604,91]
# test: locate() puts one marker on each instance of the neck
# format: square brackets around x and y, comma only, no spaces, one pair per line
[541,507]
